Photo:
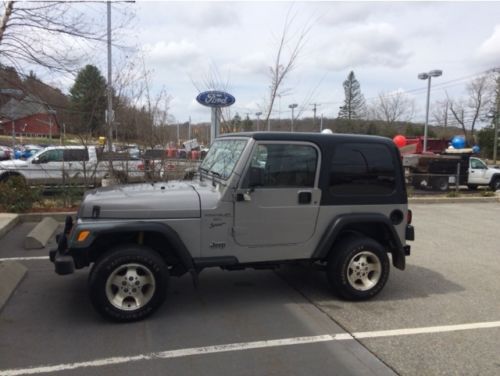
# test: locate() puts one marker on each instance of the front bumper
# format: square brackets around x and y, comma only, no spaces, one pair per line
[63,262]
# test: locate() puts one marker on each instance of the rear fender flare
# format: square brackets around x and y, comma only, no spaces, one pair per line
[338,224]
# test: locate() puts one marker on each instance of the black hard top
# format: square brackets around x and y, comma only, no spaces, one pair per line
[321,139]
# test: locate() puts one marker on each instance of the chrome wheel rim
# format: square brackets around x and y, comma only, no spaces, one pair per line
[364,271]
[130,287]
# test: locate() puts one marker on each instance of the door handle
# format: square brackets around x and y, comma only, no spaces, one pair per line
[305,197]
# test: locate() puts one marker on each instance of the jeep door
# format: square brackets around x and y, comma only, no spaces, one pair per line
[277,202]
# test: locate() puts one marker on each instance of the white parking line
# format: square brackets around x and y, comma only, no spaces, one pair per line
[24,258]
[246,346]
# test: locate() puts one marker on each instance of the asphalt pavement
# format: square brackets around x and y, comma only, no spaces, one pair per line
[441,316]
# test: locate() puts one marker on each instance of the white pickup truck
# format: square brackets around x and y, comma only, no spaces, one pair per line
[439,171]
[65,165]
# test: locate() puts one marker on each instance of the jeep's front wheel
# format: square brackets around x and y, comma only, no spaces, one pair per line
[128,283]
[358,268]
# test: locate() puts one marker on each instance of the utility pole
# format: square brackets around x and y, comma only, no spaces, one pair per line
[321,123]
[189,128]
[314,114]
[292,106]
[109,118]
[497,116]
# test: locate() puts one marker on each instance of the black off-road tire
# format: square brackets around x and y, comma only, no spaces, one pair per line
[343,272]
[120,271]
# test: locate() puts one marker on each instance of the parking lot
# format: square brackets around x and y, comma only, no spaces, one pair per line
[440,316]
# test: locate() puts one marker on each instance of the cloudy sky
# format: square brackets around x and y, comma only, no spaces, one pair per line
[386,44]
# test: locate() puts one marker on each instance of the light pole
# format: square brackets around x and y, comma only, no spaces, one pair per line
[258,119]
[52,114]
[428,76]
[292,106]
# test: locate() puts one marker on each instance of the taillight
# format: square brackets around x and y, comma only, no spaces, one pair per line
[409,216]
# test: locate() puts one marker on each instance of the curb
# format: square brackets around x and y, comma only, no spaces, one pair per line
[40,235]
[11,274]
[453,200]
[37,217]
[11,221]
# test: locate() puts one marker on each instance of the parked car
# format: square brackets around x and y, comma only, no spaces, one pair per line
[5,153]
[260,200]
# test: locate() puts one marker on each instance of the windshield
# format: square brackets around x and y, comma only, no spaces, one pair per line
[222,157]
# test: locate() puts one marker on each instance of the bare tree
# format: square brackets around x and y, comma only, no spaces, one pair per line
[468,111]
[41,33]
[441,113]
[393,107]
[290,46]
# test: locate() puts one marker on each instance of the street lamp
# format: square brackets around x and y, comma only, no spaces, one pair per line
[292,106]
[258,119]
[427,76]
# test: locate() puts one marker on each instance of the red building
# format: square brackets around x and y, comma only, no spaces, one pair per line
[30,117]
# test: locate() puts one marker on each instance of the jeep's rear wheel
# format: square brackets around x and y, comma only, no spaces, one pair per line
[358,268]
[128,283]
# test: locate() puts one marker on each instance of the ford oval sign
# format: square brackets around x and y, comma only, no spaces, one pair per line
[215,99]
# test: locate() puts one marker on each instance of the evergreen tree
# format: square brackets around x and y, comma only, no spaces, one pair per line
[236,123]
[354,103]
[247,124]
[88,101]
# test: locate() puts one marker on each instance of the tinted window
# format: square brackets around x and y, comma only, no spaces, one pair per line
[280,165]
[54,155]
[76,155]
[362,169]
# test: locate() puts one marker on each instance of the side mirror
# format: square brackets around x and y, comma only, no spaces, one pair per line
[35,161]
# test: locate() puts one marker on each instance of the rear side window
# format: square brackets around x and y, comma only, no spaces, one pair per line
[76,155]
[362,169]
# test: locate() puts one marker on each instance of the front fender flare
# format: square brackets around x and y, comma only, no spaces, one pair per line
[99,229]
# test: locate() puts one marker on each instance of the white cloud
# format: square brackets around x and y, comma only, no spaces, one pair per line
[250,64]
[173,53]
[489,51]
[374,44]
[212,15]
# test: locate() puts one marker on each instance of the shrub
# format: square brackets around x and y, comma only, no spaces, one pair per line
[16,196]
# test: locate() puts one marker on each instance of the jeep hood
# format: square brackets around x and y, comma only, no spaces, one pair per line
[142,201]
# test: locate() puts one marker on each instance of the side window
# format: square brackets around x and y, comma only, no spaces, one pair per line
[477,164]
[54,155]
[76,155]
[362,169]
[282,165]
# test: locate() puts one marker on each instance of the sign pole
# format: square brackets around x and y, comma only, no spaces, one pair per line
[214,129]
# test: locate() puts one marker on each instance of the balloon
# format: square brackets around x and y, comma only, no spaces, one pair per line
[476,149]
[399,140]
[458,142]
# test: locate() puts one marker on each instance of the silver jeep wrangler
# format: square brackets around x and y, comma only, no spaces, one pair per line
[258,200]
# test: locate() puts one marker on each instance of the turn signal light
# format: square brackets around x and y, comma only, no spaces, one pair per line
[83,235]
[409,216]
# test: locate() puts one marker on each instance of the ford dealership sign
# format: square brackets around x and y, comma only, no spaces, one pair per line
[215,99]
